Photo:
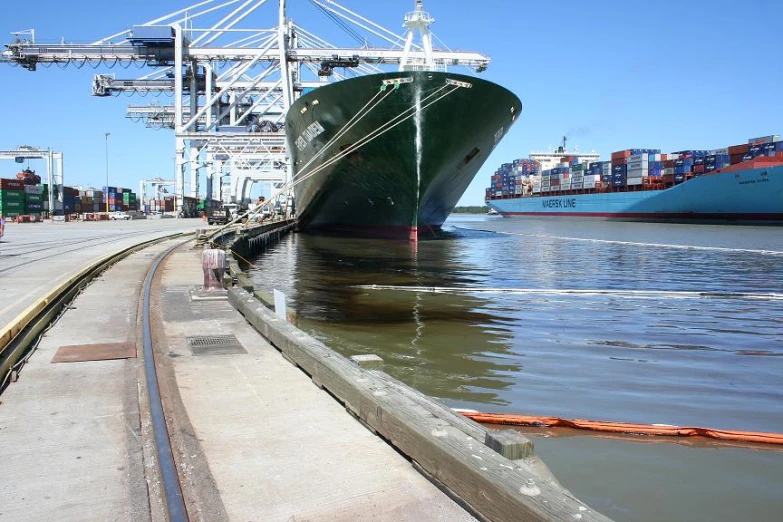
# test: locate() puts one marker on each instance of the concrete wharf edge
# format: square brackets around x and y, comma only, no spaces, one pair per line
[10,332]
[437,440]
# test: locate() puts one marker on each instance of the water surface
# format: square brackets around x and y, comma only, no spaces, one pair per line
[648,323]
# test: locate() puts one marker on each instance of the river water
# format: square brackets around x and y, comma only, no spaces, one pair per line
[629,322]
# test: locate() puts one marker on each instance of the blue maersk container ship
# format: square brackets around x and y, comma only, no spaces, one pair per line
[738,184]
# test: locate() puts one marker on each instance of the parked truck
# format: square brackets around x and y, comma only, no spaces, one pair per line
[224,213]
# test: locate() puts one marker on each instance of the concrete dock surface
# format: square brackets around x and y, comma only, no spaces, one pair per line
[36,257]
[253,437]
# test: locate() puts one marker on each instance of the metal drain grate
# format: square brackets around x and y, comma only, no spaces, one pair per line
[214,345]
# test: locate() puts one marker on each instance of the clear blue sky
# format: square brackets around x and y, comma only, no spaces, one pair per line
[610,74]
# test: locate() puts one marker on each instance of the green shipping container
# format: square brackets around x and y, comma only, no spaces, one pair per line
[7,206]
[11,195]
[33,198]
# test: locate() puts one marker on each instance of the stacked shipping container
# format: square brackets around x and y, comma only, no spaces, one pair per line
[511,179]
[27,196]
[11,197]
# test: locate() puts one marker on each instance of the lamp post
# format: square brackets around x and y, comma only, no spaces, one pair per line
[106,135]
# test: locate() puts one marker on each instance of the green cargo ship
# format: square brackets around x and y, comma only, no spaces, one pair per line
[390,155]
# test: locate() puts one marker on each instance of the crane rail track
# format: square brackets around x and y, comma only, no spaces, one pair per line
[172,489]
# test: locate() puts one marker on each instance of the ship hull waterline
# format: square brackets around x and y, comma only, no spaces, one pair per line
[392,161]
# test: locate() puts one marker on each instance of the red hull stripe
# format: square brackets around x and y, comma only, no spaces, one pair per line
[383,232]
[648,215]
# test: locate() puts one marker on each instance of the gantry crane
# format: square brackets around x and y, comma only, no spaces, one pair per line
[54,168]
[231,84]
[155,184]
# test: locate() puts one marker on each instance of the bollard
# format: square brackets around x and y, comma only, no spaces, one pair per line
[368,361]
[509,443]
[213,262]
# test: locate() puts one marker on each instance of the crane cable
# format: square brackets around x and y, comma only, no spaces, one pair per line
[379,131]
[353,148]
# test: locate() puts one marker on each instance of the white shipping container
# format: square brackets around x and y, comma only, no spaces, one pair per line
[718,151]
[764,139]
[33,189]
[638,158]
[634,181]
[655,157]
[638,166]
[668,171]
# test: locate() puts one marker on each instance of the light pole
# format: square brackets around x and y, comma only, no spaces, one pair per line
[106,135]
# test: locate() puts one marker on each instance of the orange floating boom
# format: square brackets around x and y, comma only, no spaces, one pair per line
[663,430]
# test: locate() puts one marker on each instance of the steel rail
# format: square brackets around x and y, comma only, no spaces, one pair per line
[175,503]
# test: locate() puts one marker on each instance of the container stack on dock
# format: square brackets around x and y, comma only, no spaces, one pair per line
[27,196]
[119,199]
[11,197]
[165,204]
[631,170]
[33,199]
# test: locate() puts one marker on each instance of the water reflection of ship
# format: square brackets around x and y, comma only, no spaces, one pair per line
[445,345]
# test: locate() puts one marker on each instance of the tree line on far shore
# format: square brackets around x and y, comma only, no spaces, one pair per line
[471,210]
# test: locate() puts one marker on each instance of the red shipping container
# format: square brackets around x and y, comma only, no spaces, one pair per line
[698,169]
[736,158]
[13,184]
[738,149]
[669,164]
[619,161]
[755,163]
[621,154]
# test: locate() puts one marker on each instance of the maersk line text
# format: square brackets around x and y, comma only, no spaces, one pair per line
[560,203]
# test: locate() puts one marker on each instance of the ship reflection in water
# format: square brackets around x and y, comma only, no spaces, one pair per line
[445,345]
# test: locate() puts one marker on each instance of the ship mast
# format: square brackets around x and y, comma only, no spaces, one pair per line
[418,21]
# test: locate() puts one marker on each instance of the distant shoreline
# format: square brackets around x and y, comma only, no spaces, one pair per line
[471,210]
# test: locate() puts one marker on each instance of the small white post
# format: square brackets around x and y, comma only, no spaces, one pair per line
[280,306]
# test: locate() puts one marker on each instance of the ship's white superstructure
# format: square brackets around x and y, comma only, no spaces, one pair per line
[552,159]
